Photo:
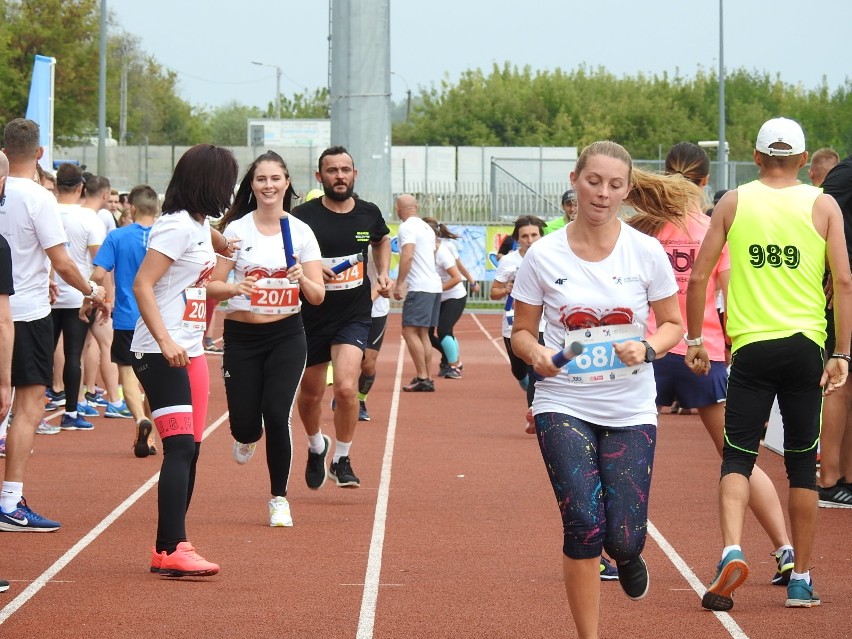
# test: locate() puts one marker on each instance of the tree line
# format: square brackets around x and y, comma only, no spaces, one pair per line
[506,106]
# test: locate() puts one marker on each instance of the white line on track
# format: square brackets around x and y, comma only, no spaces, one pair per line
[493,340]
[42,580]
[724,618]
[367,616]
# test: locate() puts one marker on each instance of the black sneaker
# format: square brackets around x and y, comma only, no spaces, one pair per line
[634,579]
[315,472]
[838,496]
[341,470]
[143,430]
[418,385]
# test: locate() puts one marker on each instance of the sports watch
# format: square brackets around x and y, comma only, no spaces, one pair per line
[698,341]
[650,353]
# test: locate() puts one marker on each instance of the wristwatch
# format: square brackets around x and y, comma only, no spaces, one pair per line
[650,353]
[94,292]
[698,341]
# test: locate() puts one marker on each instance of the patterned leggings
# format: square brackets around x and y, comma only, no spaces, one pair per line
[601,477]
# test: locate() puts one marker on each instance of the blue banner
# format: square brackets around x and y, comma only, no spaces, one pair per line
[40,107]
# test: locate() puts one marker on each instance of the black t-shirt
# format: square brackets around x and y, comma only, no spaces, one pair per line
[341,235]
[838,184]
[6,286]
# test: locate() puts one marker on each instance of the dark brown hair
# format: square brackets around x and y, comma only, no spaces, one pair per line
[243,199]
[203,182]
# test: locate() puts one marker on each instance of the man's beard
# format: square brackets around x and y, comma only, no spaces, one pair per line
[331,194]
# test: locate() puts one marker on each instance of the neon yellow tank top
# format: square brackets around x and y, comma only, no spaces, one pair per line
[777,266]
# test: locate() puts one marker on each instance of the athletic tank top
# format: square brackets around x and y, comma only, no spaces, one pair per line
[777,266]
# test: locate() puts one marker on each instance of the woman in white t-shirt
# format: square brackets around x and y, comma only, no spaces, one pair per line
[595,283]
[167,341]
[264,337]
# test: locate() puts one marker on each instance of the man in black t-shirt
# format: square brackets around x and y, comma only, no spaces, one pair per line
[337,329]
[835,473]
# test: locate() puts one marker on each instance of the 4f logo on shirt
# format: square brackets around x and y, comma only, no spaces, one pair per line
[774,255]
[559,281]
[362,236]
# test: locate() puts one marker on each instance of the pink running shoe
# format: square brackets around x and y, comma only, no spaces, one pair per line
[156,560]
[185,562]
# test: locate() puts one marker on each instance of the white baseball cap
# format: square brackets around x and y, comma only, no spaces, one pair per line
[780,130]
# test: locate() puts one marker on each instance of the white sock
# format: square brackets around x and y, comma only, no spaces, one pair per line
[10,495]
[117,404]
[316,444]
[71,414]
[805,575]
[728,549]
[341,449]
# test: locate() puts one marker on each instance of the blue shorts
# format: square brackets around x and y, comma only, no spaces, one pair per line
[675,382]
[321,340]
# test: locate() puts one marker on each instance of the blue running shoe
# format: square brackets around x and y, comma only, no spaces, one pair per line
[785,560]
[84,409]
[800,594]
[57,397]
[118,411]
[608,571]
[93,399]
[75,423]
[23,519]
[730,575]
[50,406]
[363,415]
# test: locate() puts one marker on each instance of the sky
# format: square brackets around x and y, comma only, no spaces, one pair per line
[211,45]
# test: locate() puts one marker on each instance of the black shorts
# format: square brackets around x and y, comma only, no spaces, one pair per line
[377,332]
[120,352]
[321,338]
[32,354]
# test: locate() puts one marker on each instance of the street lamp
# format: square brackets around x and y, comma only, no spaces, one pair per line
[407,93]
[277,86]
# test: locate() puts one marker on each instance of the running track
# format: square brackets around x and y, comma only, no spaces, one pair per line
[454,532]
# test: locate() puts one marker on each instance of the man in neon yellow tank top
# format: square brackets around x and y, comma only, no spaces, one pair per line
[780,234]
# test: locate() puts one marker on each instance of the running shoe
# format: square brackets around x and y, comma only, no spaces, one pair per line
[279,512]
[363,415]
[143,431]
[94,399]
[530,427]
[341,470]
[243,452]
[83,408]
[185,562]
[47,429]
[608,571]
[524,383]
[211,347]
[57,397]
[443,369]
[75,423]
[785,560]
[3,446]
[4,585]
[118,411]
[418,385]
[315,472]
[633,577]
[838,496]
[24,519]
[731,573]
[152,450]
[50,406]
[156,560]
[452,372]
[801,594]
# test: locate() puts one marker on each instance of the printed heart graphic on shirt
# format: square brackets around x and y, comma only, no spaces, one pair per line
[584,317]
[261,272]
[204,277]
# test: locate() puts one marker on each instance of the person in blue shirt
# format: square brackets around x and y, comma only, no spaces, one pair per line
[121,253]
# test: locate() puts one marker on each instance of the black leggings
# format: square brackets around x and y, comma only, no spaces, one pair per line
[263,365]
[67,323]
[521,370]
[450,314]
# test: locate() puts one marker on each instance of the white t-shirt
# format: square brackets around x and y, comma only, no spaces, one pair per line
[381,305]
[83,231]
[180,293]
[444,261]
[107,218]
[30,223]
[507,268]
[423,276]
[263,255]
[589,298]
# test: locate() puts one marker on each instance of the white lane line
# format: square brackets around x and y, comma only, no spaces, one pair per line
[42,580]
[367,616]
[494,340]
[695,583]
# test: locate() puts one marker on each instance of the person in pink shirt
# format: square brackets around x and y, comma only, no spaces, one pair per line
[681,234]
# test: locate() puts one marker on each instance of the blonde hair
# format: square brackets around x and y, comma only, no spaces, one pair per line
[607,148]
[661,199]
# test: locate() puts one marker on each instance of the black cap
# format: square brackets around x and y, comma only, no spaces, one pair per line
[569,196]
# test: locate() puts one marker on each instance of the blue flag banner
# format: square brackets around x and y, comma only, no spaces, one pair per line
[40,107]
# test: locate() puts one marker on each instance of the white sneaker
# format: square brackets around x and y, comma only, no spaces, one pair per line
[279,512]
[47,429]
[243,452]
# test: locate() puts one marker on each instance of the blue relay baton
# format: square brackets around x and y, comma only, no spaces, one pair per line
[564,356]
[349,262]
[288,242]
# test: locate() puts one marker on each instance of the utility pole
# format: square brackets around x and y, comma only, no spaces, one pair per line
[122,127]
[277,86]
[723,143]
[102,93]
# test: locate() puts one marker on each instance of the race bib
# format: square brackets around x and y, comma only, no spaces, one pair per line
[598,362]
[275,296]
[350,278]
[195,313]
